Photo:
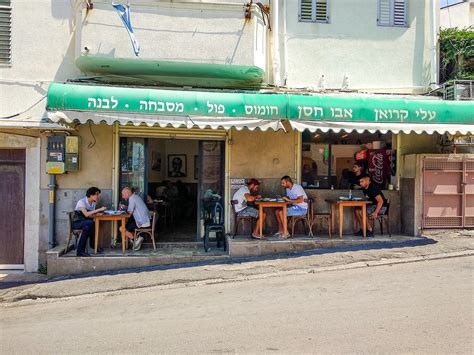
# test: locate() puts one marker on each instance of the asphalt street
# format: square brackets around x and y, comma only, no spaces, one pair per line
[416,307]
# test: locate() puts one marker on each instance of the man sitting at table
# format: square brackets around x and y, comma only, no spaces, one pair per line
[140,217]
[297,196]
[83,219]
[243,196]
[378,206]
[358,172]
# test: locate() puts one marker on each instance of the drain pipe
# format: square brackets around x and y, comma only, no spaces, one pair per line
[52,211]
[434,46]
[276,44]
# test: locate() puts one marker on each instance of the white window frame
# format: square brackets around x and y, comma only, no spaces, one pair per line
[391,21]
[314,4]
[8,30]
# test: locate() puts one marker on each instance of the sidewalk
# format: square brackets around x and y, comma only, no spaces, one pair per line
[435,245]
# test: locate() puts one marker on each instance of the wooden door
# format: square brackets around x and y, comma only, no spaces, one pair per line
[12,207]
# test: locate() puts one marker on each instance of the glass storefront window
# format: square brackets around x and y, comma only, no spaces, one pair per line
[328,158]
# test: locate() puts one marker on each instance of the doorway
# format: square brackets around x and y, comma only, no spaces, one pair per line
[173,176]
[12,209]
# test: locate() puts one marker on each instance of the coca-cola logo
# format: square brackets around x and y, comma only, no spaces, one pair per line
[377,163]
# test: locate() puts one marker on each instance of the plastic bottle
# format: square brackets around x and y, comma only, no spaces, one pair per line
[332,187]
[350,194]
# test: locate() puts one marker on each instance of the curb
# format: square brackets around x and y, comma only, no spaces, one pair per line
[20,299]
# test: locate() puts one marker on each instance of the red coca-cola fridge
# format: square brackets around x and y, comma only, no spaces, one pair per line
[379,166]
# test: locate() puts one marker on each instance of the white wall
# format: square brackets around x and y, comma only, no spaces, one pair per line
[460,15]
[193,32]
[375,58]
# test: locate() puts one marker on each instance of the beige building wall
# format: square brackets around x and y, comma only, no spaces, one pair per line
[459,15]
[374,58]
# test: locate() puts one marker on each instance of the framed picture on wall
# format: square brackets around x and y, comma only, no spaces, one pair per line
[196,162]
[177,165]
[156,161]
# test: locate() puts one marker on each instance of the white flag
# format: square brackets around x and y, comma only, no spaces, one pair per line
[124,14]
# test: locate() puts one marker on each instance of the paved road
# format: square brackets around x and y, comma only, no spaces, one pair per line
[418,307]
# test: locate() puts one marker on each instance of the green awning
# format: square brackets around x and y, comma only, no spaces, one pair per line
[324,112]
[166,73]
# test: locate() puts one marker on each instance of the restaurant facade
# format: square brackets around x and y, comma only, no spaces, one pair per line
[226,93]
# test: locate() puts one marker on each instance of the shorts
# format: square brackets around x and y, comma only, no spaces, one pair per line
[294,210]
[371,209]
[131,225]
[248,212]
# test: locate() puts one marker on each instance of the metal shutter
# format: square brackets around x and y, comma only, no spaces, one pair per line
[5,31]
[392,13]
[313,11]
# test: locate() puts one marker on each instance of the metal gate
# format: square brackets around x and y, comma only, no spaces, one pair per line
[448,192]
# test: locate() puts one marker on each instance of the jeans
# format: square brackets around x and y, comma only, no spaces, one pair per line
[88,231]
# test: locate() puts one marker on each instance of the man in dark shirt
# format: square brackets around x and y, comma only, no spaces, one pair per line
[357,174]
[378,206]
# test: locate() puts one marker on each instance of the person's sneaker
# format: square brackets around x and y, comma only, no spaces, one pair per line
[359,233]
[277,234]
[138,244]
[369,234]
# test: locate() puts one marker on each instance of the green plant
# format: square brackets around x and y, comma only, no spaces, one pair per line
[456,53]
[43,269]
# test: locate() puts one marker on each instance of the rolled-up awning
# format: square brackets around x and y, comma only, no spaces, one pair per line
[216,109]
[165,121]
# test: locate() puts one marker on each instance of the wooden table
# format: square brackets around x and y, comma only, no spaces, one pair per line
[114,219]
[340,204]
[275,204]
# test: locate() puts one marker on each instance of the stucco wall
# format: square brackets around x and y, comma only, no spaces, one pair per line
[178,32]
[460,15]
[375,58]
[43,44]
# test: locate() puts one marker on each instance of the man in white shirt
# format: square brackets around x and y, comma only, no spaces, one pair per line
[297,196]
[140,215]
[244,195]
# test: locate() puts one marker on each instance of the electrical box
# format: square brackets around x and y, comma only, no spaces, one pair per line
[72,153]
[63,154]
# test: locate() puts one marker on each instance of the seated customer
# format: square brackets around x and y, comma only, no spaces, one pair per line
[243,196]
[296,195]
[358,173]
[378,206]
[140,216]
[345,182]
[82,219]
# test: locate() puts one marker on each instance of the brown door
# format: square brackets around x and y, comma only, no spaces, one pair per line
[12,208]
[448,192]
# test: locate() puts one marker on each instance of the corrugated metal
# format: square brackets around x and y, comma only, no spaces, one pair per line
[174,133]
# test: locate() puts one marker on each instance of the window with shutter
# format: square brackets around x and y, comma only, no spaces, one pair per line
[5,31]
[392,13]
[313,11]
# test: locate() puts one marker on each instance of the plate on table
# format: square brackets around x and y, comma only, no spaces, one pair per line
[343,198]
[357,198]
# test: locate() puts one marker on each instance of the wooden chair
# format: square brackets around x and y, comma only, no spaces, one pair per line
[148,231]
[238,219]
[305,219]
[76,233]
[381,218]
[322,217]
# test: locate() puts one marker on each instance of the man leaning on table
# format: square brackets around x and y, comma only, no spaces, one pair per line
[140,217]
[378,206]
[296,195]
[245,194]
